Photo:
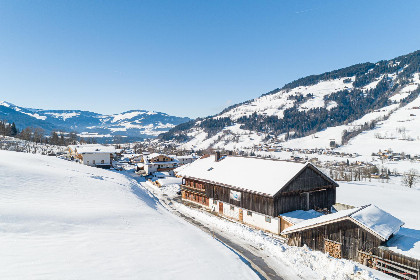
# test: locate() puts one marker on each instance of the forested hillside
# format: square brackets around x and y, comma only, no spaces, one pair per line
[309,104]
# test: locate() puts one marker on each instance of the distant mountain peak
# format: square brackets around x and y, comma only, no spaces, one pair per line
[7,104]
[133,124]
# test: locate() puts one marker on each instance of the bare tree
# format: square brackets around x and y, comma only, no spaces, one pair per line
[26,134]
[410,178]
[38,135]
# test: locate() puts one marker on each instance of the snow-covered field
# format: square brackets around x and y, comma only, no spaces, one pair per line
[400,132]
[62,220]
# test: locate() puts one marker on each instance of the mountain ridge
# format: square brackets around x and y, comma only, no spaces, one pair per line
[307,105]
[134,124]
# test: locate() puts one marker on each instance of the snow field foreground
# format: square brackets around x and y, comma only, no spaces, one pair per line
[288,261]
[62,220]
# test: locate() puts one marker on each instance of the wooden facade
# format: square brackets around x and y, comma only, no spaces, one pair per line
[308,189]
[345,234]
[194,191]
[161,158]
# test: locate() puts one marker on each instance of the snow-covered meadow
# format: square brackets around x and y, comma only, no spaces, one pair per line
[62,220]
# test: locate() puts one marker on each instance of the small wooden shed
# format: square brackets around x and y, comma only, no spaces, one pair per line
[345,234]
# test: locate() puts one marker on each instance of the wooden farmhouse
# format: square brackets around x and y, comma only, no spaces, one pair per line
[352,234]
[256,191]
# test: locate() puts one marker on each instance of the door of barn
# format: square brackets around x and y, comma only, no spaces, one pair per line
[220,207]
[241,215]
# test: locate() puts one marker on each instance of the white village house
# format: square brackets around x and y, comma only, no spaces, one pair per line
[155,162]
[92,154]
[186,159]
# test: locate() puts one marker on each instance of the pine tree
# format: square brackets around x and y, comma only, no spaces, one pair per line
[13,130]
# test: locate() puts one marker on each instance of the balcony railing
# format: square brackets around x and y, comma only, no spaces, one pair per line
[192,188]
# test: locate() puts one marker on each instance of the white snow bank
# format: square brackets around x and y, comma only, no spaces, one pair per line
[61,220]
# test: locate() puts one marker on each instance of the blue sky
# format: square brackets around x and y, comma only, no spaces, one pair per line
[186,58]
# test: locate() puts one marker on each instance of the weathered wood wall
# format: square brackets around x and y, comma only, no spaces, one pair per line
[322,192]
[287,202]
[251,201]
[308,180]
[351,236]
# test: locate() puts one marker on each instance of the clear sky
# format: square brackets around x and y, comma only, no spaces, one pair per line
[186,58]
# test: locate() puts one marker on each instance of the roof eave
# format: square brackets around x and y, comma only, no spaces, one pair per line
[229,186]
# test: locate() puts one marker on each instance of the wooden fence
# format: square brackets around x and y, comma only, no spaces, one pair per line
[391,263]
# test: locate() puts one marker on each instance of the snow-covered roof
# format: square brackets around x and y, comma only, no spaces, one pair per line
[93,148]
[298,216]
[259,175]
[373,219]
[379,221]
[169,181]
[180,168]
[161,174]
[187,157]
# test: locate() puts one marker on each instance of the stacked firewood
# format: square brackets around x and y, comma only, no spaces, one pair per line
[334,249]
[365,259]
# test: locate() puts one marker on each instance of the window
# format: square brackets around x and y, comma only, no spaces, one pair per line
[102,161]
[87,162]
[268,219]
[232,208]
[249,213]
[93,161]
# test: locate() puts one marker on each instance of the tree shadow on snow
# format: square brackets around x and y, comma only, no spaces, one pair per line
[405,239]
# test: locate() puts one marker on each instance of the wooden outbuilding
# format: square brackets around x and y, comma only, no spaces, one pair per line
[349,234]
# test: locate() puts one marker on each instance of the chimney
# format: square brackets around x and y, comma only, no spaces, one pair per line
[217,156]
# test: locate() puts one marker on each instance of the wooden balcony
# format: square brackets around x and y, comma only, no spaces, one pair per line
[192,189]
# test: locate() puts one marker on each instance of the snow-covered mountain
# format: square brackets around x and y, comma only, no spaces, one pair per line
[133,124]
[334,106]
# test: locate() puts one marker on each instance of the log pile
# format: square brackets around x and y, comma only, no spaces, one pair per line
[333,248]
[365,259]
